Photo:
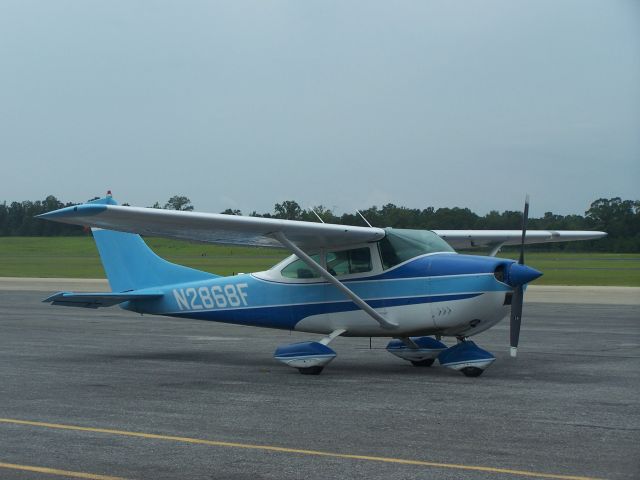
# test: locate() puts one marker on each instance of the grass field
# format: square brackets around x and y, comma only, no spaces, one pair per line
[607,269]
[77,257]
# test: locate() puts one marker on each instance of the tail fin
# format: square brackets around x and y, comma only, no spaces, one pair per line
[131,265]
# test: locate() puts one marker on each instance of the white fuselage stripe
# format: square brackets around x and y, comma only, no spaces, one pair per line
[249,307]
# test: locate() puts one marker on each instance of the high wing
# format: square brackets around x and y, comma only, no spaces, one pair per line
[460,239]
[257,231]
[214,228]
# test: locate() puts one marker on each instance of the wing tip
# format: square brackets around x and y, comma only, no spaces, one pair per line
[75,211]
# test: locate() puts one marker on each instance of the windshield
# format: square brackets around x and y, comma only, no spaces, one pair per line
[400,245]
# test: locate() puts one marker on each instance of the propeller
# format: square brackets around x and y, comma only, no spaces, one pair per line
[518,293]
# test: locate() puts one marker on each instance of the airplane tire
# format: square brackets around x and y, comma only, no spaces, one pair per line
[472,371]
[423,363]
[310,370]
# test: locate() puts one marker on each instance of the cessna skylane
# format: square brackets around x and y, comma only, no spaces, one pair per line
[408,285]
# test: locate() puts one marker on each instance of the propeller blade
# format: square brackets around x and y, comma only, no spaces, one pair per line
[525,218]
[516,318]
[518,293]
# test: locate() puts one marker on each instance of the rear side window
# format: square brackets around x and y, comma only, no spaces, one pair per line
[346,262]
[299,269]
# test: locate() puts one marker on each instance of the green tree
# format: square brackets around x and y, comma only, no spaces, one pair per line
[288,210]
[620,219]
[456,218]
[4,214]
[179,202]
[230,211]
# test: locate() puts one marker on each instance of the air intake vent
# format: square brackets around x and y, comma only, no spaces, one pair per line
[501,273]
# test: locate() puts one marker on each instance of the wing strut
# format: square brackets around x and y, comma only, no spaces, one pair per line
[495,248]
[315,266]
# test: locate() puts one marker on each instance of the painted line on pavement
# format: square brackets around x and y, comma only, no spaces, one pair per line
[55,471]
[317,453]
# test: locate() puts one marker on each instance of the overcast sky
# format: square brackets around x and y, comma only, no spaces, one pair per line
[242,104]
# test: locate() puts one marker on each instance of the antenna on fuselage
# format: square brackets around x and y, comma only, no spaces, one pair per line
[365,220]
[316,214]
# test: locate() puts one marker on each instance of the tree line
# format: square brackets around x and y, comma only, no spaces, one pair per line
[620,218]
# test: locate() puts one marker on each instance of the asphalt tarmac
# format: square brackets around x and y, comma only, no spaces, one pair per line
[98,393]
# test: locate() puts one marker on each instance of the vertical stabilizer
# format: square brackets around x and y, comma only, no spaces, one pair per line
[131,265]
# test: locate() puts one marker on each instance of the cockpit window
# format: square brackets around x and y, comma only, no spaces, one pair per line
[345,262]
[299,269]
[400,245]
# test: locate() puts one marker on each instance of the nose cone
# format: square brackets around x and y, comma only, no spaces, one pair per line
[521,274]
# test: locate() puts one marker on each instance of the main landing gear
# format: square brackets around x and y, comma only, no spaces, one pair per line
[308,357]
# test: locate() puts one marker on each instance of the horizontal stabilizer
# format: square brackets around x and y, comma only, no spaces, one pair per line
[95,300]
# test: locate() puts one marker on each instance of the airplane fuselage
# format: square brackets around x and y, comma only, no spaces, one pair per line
[441,293]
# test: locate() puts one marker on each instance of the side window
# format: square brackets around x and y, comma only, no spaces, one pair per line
[299,269]
[346,262]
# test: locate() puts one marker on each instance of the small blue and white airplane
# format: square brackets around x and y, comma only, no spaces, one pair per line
[409,285]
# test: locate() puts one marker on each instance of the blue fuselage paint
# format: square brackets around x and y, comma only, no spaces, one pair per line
[248,299]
